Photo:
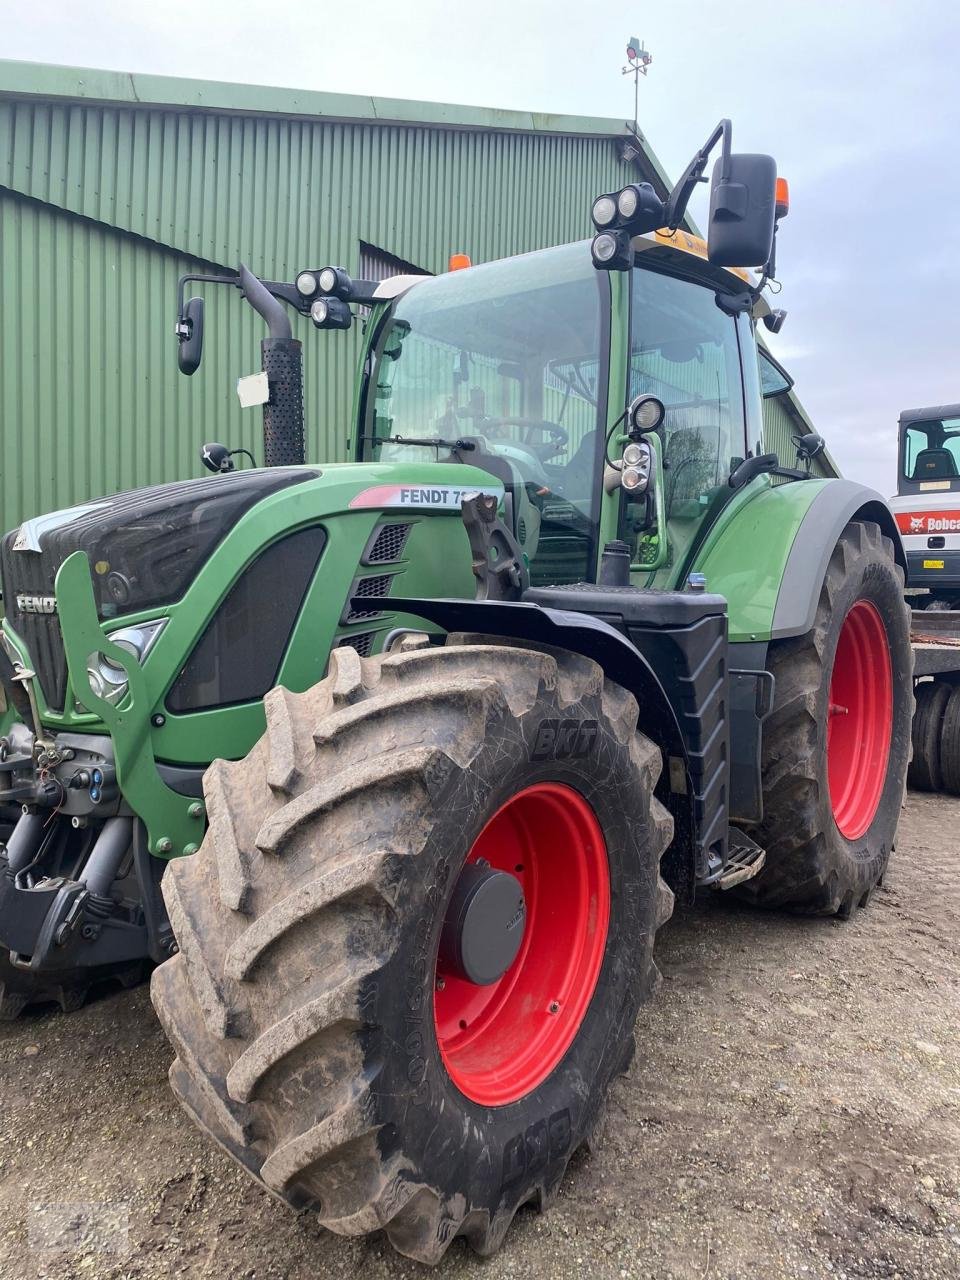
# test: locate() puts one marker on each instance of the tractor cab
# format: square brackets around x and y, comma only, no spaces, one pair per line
[927,503]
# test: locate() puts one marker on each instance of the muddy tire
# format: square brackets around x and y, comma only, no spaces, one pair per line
[319,1038]
[836,746]
[950,743]
[925,772]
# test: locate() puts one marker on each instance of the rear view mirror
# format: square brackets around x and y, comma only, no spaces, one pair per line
[742,210]
[190,334]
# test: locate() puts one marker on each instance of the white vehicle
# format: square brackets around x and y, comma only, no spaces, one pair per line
[927,502]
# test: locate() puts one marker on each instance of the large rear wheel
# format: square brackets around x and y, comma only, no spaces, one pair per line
[415,938]
[837,744]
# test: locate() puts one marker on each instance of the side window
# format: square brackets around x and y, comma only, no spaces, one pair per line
[238,657]
[774,380]
[684,350]
[751,359]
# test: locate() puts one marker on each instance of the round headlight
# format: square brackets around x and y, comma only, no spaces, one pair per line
[632,455]
[604,211]
[327,279]
[306,283]
[627,202]
[319,311]
[604,247]
[646,413]
[631,478]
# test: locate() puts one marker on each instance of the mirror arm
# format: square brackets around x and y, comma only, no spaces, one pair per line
[679,197]
[182,283]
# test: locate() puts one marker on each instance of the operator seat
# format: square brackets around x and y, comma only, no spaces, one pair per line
[935,464]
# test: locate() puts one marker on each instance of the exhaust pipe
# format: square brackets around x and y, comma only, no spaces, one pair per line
[283,440]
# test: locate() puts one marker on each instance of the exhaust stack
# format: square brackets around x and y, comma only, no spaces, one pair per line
[283,438]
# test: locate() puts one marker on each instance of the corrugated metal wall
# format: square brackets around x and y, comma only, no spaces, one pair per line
[104,206]
[780,422]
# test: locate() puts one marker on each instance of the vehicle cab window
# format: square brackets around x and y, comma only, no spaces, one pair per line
[508,357]
[684,350]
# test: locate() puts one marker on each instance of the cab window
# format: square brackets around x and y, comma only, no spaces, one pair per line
[684,350]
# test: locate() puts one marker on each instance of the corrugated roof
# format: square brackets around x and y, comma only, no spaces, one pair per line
[44,80]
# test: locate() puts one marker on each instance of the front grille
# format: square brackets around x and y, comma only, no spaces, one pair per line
[388,543]
[34,573]
[368,589]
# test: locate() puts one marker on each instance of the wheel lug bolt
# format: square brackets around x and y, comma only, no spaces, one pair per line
[554,1006]
[440,984]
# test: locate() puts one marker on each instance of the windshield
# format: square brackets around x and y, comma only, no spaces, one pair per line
[505,358]
[931,451]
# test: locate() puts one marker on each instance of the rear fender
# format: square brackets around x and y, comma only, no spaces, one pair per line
[768,553]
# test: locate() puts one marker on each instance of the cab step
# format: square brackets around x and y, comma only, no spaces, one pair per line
[744,860]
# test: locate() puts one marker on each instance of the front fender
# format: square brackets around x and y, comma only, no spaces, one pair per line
[768,554]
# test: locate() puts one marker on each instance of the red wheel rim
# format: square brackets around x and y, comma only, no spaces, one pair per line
[860,720]
[500,1041]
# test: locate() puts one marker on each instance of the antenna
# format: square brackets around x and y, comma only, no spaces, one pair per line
[638,64]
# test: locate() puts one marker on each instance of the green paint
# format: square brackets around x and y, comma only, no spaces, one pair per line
[165,813]
[746,550]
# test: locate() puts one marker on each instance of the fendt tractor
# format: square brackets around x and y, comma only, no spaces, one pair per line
[395,767]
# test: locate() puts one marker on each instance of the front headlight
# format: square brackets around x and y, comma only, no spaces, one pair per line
[108,680]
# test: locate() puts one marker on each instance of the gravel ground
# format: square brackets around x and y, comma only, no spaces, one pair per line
[793,1111]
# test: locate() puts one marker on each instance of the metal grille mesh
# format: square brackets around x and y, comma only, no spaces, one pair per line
[363,643]
[369,589]
[389,543]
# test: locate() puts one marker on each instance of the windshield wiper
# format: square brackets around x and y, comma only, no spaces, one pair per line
[434,442]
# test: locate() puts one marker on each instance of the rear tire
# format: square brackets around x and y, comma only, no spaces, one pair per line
[950,743]
[305,1002]
[925,772]
[830,816]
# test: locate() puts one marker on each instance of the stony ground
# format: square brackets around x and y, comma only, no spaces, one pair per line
[793,1111]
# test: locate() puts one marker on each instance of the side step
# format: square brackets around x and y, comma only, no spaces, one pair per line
[745,859]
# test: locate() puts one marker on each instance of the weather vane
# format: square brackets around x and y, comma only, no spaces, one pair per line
[638,63]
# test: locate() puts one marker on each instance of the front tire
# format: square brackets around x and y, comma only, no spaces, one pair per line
[320,1035]
[837,744]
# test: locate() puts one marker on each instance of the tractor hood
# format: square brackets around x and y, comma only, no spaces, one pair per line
[144,548]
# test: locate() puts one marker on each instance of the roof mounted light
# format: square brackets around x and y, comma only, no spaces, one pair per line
[306,284]
[330,313]
[604,211]
[611,251]
[335,282]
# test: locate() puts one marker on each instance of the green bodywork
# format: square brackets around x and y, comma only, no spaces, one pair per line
[739,539]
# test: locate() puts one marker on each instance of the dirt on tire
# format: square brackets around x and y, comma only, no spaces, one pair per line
[301,1005]
[811,867]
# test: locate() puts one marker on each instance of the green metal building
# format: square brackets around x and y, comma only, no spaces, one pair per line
[113,185]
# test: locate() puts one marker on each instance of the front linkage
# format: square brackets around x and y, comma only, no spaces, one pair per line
[79,877]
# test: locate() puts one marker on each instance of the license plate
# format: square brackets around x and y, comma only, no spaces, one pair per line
[933,564]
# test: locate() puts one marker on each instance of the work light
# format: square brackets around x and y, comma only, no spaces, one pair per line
[646,413]
[306,283]
[604,211]
[611,251]
[330,313]
[335,281]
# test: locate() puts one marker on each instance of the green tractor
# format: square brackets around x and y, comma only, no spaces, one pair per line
[394,768]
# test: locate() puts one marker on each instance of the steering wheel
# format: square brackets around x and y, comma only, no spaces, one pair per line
[559,436]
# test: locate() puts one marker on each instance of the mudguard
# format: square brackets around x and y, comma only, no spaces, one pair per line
[768,552]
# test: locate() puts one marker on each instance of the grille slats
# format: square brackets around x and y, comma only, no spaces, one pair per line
[388,543]
[374,588]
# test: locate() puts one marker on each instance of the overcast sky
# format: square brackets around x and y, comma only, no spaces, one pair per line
[859,102]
